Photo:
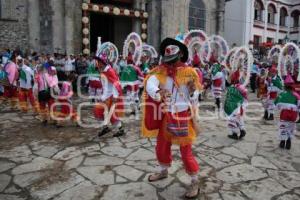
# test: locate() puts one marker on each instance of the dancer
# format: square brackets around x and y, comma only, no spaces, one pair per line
[173,86]
[288,103]
[11,90]
[274,87]
[217,83]
[65,99]
[111,97]
[262,90]
[46,80]
[26,88]
[131,78]
[234,107]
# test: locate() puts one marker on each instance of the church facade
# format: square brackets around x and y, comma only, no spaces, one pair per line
[73,26]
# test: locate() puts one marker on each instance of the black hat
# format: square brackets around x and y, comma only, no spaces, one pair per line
[182,54]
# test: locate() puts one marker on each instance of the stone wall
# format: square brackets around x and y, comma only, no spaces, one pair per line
[13,34]
[13,25]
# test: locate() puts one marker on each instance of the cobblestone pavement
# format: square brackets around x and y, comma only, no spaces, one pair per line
[38,162]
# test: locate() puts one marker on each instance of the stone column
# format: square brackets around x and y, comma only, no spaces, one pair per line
[277,22]
[58,25]
[136,24]
[69,26]
[264,39]
[34,25]
[154,23]
[251,14]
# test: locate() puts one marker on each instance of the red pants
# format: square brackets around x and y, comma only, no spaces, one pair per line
[132,88]
[164,156]
[11,94]
[44,110]
[24,96]
[67,110]
[107,105]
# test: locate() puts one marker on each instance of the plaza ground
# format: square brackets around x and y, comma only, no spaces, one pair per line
[38,162]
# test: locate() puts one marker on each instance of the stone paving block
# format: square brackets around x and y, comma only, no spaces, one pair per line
[132,191]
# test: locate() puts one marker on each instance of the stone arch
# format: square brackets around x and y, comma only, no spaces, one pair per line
[283,14]
[261,3]
[272,6]
[295,14]
[197,14]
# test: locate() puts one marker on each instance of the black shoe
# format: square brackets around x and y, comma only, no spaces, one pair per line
[271,118]
[266,115]
[282,144]
[234,136]
[58,126]
[120,133]
[243,134]
[104,131]
[218,103]
[45,122]
[288,144]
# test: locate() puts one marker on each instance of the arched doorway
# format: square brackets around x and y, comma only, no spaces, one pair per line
[197,15]
[112,21]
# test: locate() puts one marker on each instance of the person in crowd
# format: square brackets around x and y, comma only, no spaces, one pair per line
[11,89]
[288,104]
[172,86]
[235,104]
[274,88]
[111,97]
[26,94]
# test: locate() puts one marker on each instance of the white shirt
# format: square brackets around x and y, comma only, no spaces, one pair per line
[29,77]
[180,99]
[109,89]
[69,65]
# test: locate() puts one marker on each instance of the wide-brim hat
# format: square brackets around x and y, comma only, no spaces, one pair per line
[184,55]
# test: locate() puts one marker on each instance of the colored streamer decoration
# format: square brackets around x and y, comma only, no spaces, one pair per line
[133,44]
[197,41]
[111,51]
[288,60]
[219,48]
[150,51]
[230,58]
[243,60]
[273,55]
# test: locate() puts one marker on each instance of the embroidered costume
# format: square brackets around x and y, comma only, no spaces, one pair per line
[167,110]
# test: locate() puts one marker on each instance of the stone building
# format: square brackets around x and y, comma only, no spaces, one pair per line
[264,21]
[68,26]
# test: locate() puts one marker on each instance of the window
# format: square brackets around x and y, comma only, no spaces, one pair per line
[283,16]
[269,40]
[258,11]
[295,15]
[0,9]
[271,14]
[256,41]
[197,15]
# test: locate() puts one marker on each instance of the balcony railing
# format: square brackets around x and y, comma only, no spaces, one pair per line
[272,26]
[284,28]
[259,22]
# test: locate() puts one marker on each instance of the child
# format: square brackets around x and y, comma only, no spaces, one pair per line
[217,83]
[262,90]
[65,101]
[274,87]
[288,103]
[234,107]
